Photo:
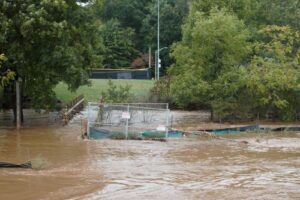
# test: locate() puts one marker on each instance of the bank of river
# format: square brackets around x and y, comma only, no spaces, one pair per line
[251,166]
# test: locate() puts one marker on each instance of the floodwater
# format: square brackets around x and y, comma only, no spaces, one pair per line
[237,167]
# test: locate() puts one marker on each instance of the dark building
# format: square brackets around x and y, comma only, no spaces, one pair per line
[120,73]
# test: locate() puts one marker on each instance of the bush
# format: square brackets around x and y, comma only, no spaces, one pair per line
[116,94]
[161,91]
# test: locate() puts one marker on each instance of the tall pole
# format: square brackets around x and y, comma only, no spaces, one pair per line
[158,29]
[149,64]
[155,67]
[18,103]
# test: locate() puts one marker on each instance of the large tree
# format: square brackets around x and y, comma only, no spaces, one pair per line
[48,42]
[256,12]
[274,71]
[130,14]
[211,45]
[268,83]
[119,44]
[239,57]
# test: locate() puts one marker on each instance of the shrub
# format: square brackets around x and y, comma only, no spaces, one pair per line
[117,94]
[161,91]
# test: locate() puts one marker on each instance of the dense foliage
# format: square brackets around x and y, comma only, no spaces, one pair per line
[119,50]
[238,60]
[140,16]
[6,75]
[48,42]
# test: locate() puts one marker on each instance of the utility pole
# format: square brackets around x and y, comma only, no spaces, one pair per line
[158,63]
[155,67]
[158,29]
[18,103]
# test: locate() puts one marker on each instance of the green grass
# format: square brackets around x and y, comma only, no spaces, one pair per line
[139,88]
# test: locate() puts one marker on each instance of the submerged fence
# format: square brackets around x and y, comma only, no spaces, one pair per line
[127,120]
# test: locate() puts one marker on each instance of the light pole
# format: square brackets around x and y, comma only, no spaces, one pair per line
[158,61]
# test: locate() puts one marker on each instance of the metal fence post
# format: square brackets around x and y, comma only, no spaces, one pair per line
[126,128]
[167,127]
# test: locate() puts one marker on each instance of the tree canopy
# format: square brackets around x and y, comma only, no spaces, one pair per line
[47,42]
[237,63]
[129,13]
[211,45]
[274,70]
[140,16]
[119,50]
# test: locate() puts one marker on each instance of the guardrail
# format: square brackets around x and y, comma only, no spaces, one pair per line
[71,108]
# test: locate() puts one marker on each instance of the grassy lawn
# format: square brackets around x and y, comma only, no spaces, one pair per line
[139,88]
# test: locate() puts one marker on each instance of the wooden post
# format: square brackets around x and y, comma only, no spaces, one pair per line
[18,103]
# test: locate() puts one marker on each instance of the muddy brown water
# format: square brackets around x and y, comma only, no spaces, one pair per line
[234,167]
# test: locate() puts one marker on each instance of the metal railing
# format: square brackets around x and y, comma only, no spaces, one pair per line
[71,108]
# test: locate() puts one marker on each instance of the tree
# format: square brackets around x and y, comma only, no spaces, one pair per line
[277,12]
[274,72]
[141,17]
[240,58]
[6,74]
[257,13]
[48,42]
[117,94]
[211,46]
[119,48]
[268,83]
[230,97]
[129,13]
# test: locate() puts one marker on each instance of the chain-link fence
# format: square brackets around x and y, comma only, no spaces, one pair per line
[133,120]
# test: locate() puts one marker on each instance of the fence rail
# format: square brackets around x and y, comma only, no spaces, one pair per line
[71,108]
